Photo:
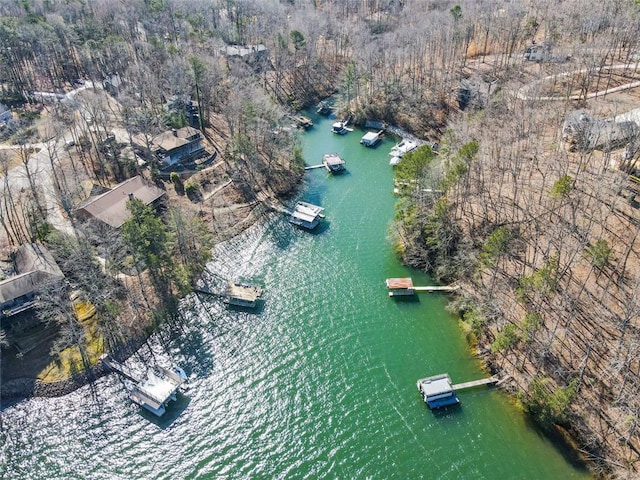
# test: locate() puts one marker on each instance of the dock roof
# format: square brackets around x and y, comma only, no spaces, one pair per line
[250,293]
[404,283]
[369,136]
[436,385]
[333,159]
[306,211]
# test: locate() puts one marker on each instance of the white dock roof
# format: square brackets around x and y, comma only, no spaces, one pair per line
[306,211]
[436,385]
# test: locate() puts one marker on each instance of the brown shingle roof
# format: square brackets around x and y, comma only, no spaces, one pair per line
[34,266]
[111,207]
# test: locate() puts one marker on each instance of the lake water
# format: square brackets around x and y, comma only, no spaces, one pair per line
[320,383]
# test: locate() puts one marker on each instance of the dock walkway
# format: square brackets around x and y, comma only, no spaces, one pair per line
[119,368]
[476,383]
[437,288]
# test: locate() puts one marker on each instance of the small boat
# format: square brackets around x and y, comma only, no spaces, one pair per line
[303,122]
[333,163]
[339,128]
[400,149]
[323,108]
[437,391]
[371,139]
[242,294]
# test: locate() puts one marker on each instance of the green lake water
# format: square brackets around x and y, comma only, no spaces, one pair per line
[320,383]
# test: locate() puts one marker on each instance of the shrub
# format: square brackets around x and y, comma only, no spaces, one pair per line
[562,187]
[548,405]
[599,253]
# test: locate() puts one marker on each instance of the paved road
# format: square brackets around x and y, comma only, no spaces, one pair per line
[40,168]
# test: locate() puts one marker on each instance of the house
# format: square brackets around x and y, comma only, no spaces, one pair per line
[174,146]
[182,105]
[245,52]
[35,268]
[543,53]
[585,133]
[110,207]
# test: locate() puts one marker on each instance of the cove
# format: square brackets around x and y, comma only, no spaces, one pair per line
[320,383]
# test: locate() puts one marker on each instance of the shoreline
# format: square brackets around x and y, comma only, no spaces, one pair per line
[19,389]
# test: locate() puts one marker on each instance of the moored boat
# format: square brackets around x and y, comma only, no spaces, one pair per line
[400,149]
[339,128]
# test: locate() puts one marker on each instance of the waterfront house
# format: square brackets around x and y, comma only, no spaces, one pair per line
[245,52]
[34,269]
[583,132]
[110,207]
[173,146]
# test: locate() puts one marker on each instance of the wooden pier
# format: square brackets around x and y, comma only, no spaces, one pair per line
[119,368]
[476,383]
[404,286]
[312,167]
[437,288]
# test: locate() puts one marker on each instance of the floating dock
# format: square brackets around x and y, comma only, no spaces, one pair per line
[404,286]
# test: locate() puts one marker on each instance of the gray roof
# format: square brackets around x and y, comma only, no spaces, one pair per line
[111,206]
[244,50]
[34,267]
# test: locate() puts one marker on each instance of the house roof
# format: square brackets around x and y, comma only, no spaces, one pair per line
[33,256]
[170,139]
[35,267]
[111,207]
[244,50]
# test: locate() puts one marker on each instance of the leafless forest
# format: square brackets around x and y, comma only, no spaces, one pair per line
[543,236]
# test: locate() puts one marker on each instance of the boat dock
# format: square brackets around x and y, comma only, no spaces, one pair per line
[312,167]
[437,391]
[306,215]
[243,294]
